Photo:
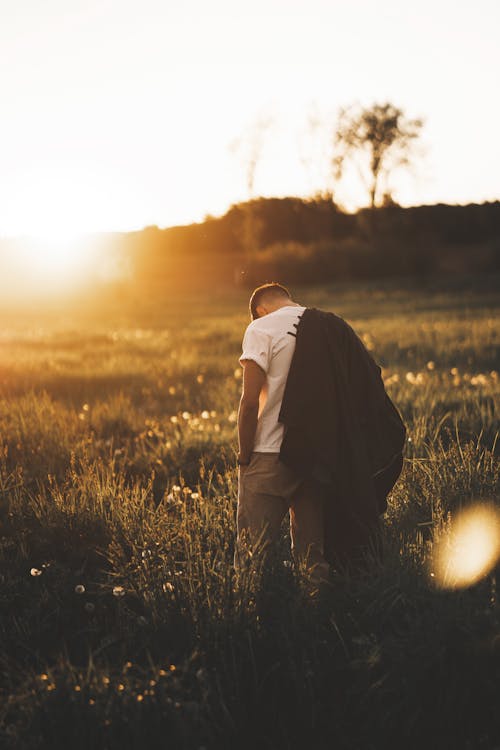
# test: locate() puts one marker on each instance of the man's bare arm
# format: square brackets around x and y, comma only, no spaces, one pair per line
[254,378]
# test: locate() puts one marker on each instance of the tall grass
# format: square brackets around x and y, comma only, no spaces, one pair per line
[123,622]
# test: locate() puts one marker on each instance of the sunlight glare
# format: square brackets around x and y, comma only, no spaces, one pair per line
[57,257]
[35,267]
[470,549]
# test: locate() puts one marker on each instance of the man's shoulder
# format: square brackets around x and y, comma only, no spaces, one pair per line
[256,326]
[275,323]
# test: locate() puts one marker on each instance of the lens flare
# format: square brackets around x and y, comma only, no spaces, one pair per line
[470,548]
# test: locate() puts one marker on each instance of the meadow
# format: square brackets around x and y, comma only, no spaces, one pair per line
[123,624]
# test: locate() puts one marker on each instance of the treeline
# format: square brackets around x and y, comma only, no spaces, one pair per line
[298,240]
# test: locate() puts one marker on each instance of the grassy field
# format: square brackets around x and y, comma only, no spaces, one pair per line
[122,622]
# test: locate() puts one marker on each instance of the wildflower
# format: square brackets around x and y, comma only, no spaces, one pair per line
[237,374]
[85,407]
[120,687]
[80,589]
[172,667]
[140,698]
[168,587]
[35,572]
[145,553]
[454,371]
[118,591]
[91,701]
[392,379]
[205,414]
[233,417]
[106,680]
[44,677]
[171,390]
[431,365]
[176,488]
[89,607]
[199,378]
[77,688]
[479,379]
[186,415]
[195,496]
[213,413]
[417,379]
[162,673]
[174,419]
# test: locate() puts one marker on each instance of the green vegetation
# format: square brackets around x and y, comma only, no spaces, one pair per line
[123,625]
[314,241]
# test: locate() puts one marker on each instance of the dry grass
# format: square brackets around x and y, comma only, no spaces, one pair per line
[118,475]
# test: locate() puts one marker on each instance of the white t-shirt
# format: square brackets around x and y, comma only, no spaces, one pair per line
[268,342]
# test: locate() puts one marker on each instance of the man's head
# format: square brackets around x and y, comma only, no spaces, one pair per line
[268,298]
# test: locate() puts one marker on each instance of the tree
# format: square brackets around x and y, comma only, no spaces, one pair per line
[315,149]
[250,146]
[378,140]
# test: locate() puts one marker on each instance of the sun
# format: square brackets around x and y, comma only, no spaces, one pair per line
[51,265]
[59,257]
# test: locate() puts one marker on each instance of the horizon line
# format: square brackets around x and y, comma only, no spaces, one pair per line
[34,236]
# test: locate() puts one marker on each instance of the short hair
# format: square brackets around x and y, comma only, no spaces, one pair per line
[270,291]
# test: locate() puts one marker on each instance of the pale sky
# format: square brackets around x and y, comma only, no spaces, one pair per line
[115,114]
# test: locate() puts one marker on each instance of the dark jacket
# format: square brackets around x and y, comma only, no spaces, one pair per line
[342,431]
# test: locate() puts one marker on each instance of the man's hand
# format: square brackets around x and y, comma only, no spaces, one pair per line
[254,378]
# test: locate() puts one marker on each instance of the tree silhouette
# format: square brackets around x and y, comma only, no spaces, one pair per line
[378,140]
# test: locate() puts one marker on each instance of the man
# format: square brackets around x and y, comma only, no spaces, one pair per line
[318,435]
[267,488]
